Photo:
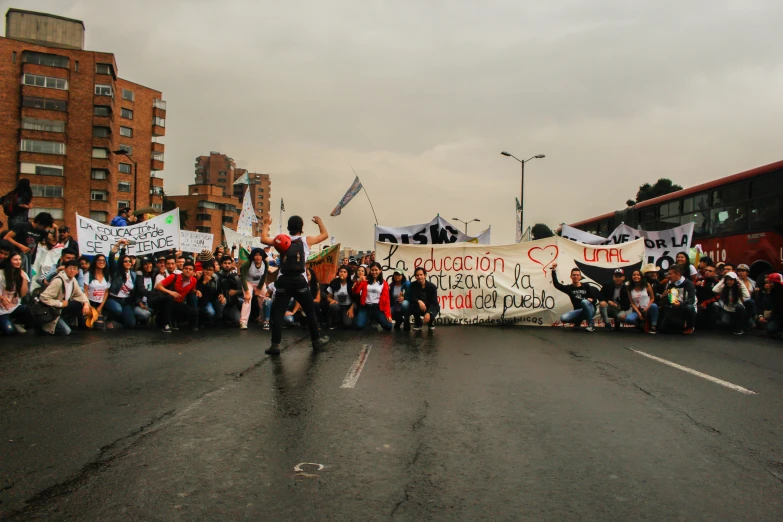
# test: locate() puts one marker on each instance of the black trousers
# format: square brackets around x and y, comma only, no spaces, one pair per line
[172,309]
[296,287]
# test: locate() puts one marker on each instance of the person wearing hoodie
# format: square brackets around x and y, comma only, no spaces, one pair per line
[615,301]
[398,290]
[231,288]
[733,293]
[64,293]
[423,298]
[373,295]
[253,275]
[147,301]
[678,302]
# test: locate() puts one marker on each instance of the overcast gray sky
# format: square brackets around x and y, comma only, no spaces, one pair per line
[420,97]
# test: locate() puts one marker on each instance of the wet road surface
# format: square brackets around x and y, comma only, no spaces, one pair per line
[469,423]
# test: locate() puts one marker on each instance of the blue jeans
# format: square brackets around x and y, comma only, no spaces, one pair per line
[400,311]
[266,311]
[371,312]
[120,310]
[21,314]
[142,314]
[585,313]
[633,317]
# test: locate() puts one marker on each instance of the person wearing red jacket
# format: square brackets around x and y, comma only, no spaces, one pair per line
[373,296]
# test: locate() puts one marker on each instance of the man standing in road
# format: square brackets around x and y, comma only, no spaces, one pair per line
[583,298]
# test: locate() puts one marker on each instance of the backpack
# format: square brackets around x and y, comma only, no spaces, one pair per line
[294,261]
[9,204]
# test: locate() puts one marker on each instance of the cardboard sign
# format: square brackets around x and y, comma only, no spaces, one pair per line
[154,235]
[195,241]
[325,263]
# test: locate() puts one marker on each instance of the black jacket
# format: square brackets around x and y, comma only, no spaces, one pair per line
[687,293]
[607,294]
[428,294]
[576,293]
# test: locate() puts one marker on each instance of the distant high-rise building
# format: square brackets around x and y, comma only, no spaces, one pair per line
[221,170]
[87,139]
[209,210]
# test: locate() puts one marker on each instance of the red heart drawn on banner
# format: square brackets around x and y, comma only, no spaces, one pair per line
[544,256]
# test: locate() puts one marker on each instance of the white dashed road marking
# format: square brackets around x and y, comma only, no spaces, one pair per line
[356,369]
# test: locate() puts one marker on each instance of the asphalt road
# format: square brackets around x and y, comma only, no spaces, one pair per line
[469,423]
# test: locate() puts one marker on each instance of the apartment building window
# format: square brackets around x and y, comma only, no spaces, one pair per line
[41,170]
[127,148]
[103,90]
[127,94]
[45,81]
[158,206]
[126,131]
[203,217]
[125,168]
[100,153]
[43,147]
[103,68]
[123,186]
[101,132]
[52,60]
[43,125]
[127,114]
[99,174]
[34,102]
[99,195]
[156,191]
[205,230]
[210,205]
[101,110]
[97,215]
[158,104]
[157,156]
[160,122]
[47,191]
[123,204]
[57,213]
[228,219]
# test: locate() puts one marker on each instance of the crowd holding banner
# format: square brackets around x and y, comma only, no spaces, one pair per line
[455,278]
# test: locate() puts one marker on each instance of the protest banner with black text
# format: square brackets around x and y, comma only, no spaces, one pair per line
[436,232]
[195,241]
[154,235]
[508,284]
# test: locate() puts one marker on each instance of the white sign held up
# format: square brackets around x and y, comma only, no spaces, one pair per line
[195,241]
[153,235]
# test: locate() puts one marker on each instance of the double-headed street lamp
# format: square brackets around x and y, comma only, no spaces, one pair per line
[123,152]
[522,184]
[466,223]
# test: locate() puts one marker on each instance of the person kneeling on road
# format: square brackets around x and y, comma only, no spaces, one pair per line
[615,300]
[231,289]
[733,293]
[176,288]
[373,295]
[64,293]
[583,298]
[678,303]
[423,298]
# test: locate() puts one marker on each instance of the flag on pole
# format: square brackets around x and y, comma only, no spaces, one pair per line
[282,205]
[354,189]
[247,217]
[519,221]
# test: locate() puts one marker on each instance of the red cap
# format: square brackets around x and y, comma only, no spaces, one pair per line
[775,278]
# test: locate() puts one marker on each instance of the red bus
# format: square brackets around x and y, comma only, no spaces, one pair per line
[737,218]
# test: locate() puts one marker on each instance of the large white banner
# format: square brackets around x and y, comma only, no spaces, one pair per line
[436,232]
[195,241]
[235,239]
[509,284]
[660,247]
[153,235]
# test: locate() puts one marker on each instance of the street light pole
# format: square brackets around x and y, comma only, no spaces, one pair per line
[522,183]
[466,223]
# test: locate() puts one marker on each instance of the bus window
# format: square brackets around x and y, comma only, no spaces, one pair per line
[701,223]
[766,213]
[730,194]
[726,220]
[695,203]
[670,209]
[768,185]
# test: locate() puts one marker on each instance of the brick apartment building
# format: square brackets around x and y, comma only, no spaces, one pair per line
[65,117]
[221,170]
[209,210]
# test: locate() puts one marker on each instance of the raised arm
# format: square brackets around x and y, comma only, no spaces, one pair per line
[265,239]
[323,235]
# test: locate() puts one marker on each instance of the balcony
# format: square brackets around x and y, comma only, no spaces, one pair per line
[158,130]
[158,104]
[156,182]
[156,161]
[98,99]
[156,191]
[158,147]
[100,206]
[100,184]
[103,121]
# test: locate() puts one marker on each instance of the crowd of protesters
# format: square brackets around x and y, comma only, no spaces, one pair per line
[227,288]
[680,299]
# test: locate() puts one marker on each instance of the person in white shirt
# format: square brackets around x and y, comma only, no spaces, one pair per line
[13,286]
[341,304]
